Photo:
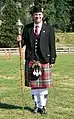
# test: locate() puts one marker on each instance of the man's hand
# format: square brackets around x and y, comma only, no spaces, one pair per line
[50,65]
[19,37]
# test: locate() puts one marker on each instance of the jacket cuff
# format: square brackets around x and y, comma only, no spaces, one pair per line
[52,61]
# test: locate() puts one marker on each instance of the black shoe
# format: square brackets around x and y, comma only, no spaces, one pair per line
[35,110]
[43,110]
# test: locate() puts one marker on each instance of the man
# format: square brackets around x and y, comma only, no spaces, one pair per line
[39,39]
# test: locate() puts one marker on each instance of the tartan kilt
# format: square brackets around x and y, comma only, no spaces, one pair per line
[44,81]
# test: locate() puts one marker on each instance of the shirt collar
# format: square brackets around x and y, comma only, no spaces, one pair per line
[40,25]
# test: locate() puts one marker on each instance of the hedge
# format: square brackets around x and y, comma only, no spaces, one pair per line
[64,38]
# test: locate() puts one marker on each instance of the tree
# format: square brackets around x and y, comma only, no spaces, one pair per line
[50,12]
[12,11]
[71,4]
[8,28]
[72,16]
[62,16]
[1,3]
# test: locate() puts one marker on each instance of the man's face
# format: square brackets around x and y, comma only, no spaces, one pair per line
[38,17]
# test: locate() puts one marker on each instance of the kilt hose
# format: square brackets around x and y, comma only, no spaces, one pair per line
[44,81]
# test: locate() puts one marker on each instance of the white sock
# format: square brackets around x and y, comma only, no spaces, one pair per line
[37,100]
[40,97]
[42,102]
[35,93]
[43,97]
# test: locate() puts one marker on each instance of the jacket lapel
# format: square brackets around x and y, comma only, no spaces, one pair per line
[43,31]
[31,33]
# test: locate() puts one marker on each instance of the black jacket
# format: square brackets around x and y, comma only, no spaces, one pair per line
[47,42]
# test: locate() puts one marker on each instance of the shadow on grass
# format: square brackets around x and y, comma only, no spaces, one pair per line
[9,106]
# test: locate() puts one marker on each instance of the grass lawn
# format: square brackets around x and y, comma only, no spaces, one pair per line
[60,104]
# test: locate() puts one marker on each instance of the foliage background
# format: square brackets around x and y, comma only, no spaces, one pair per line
[58,13]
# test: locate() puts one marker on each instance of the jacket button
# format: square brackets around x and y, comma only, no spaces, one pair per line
[35,50]
[48,55]
[35,46]
[35,42]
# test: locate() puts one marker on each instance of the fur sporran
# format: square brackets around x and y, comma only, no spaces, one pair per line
[37,70]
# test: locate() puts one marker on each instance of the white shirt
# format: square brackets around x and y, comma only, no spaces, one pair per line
[39,28]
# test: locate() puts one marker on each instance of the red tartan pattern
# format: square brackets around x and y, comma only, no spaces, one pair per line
[44,81]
